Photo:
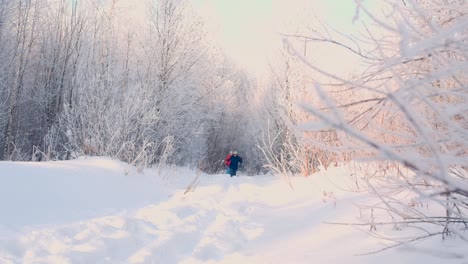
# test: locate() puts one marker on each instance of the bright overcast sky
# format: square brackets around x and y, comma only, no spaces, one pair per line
[249,29]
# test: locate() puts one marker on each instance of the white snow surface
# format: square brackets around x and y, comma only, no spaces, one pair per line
[98,210]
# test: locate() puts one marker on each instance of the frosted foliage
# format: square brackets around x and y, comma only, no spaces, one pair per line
[140,82]
[408,108]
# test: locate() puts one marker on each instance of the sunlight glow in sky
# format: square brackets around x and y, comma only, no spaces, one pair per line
[249,30]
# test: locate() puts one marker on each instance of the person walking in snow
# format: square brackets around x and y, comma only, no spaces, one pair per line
[234,162]
[227,161]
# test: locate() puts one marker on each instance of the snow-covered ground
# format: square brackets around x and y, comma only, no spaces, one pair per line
[98,210]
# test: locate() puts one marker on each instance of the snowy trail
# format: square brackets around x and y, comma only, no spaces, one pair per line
[135,218]
[206,228]
[201,226]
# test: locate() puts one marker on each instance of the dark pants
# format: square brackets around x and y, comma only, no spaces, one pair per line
[233,172]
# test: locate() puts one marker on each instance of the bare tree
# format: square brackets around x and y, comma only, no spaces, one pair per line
[288,150]
[26,16]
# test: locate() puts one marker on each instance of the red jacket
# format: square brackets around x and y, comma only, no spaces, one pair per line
[227,160]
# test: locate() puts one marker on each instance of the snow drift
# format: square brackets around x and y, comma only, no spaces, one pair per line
[98,210]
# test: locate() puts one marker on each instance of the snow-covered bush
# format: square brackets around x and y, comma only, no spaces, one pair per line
[408,107]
